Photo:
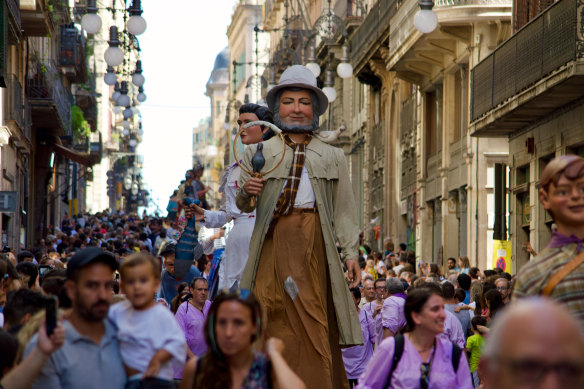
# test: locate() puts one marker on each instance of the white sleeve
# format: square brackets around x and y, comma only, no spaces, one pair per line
[173,338]
[215,219]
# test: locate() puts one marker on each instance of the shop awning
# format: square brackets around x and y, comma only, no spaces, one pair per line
[71,154]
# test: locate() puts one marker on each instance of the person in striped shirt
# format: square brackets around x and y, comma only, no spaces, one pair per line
[561,192]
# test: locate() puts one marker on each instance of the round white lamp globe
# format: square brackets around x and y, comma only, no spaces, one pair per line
[425,21]
[113,56]
[138,79]
[117,109]
[132,142]
[110,78]
[128,113]
[126,124]
[330,93]
[314,68]
[136,25]
[344,70]
[123,100]
[91,23]
[125,132]
[141,97]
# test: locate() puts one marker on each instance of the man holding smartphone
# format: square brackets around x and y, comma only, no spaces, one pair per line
[90,357]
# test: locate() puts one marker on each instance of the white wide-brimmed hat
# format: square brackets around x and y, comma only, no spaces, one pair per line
[298,76]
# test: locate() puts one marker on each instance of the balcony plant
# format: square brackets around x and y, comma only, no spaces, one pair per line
[81,129]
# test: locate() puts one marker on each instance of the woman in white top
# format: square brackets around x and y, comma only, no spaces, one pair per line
[237,249]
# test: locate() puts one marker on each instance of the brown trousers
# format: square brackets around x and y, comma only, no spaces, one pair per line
[307,325]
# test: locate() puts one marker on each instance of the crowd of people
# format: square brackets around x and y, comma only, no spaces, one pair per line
[289,297]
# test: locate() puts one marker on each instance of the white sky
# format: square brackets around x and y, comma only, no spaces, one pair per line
[178,51]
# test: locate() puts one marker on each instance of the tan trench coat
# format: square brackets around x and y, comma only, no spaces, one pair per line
[329,176]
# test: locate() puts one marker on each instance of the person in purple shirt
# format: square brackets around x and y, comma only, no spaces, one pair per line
[374,308]
[356,357]
[191,317]
[393,318]
[426,361]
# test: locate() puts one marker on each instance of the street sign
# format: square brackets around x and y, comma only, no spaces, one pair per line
[8,201]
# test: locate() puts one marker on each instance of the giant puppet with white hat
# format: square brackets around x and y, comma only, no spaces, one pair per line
[304,207]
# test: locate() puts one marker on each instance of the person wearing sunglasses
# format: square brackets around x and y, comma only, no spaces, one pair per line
[232,328]
[419,358]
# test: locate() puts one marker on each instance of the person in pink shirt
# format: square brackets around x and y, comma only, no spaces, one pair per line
[191,316]
[356,357]
[393,318]
[427,360]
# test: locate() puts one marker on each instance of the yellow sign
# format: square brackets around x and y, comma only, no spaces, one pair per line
[502,255]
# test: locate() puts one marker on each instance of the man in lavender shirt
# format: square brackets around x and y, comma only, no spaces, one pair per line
[374,308]
[355,358]
[191,316]
[392,312]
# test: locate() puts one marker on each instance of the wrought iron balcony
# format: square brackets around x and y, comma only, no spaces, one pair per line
[14,9]
[13,106]
[49,99]
[72,54]
[373,32]
[41,17]
[536,71]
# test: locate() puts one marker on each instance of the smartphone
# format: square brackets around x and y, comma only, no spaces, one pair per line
[51,314]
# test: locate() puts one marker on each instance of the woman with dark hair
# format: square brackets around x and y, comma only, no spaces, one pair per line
[495,303]
[423,358]
[237,244]
[231,329]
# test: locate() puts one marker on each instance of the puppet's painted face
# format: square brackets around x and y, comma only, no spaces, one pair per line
[565,202]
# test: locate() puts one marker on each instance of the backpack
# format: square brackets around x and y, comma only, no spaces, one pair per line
[399,350]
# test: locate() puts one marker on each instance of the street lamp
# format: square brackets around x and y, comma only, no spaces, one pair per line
[114,55]
[110,76]
[123,100]
[425,19]
[329,90]
[91,22]
[312,65]
[141,95]
[344,69]
[137,78]
[128,113]
[117,92]
[136,25]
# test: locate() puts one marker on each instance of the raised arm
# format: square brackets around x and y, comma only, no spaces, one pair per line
[284,377]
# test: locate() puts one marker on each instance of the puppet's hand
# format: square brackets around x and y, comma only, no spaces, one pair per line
[354,272]
[254,186]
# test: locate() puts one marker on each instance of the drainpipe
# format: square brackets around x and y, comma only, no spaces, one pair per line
[477,208]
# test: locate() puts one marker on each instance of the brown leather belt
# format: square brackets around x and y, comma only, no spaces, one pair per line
[304,210]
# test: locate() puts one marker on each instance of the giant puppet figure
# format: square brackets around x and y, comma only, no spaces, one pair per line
[304,207]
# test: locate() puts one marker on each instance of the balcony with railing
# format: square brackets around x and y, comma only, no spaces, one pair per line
[14,11]
[42,17]
[463,11]
[373,32]
[13,103]
[49,99]
[72,60]
[418,57]
[535,72]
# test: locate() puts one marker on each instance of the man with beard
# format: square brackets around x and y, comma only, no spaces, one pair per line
[90,357]
[294,267]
